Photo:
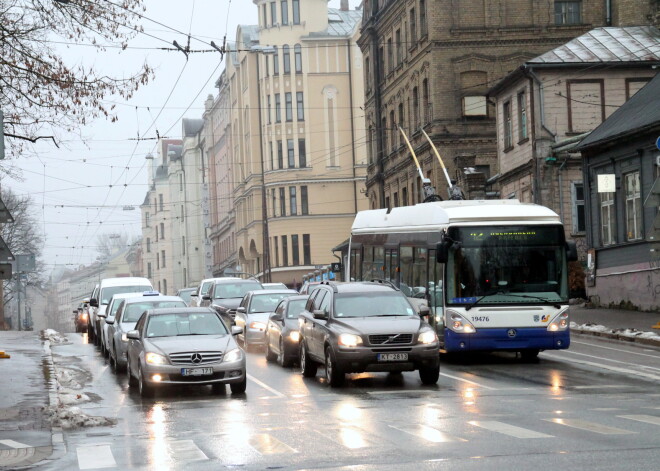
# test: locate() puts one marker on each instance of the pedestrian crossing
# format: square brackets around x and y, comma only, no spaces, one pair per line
[287,443]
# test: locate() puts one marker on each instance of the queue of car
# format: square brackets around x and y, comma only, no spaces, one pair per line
[345,327]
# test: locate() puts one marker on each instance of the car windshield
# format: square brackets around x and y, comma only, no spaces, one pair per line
[133,311]
[267,302]
[114,307]
[109,292]
[295,308]
[185,294]
[372,304]
[194,323]
[236,289]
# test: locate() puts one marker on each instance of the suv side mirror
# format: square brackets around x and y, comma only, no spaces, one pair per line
[235,330]
[94,302]
[194,294]
[206,297]
[133,334]
[320,314]
[104,314]
[110,321]
[424,311]
[240,309]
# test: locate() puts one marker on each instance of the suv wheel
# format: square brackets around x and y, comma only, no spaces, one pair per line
[131,379]
[307,366]
[429,375]
[333,374]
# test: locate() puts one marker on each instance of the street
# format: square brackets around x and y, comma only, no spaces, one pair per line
[594,406]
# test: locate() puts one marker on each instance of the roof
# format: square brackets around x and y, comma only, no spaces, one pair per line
[341,23]
[192,127]
[607,45]
[259,292]
[174,151]
[362,286]
[640,112]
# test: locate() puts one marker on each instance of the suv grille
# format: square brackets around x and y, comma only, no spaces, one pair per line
[200,358]
[390,339]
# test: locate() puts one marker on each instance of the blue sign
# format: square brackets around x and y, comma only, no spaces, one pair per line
[467,300]
[657,143]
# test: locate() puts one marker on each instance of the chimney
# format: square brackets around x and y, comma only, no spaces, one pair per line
[344,5]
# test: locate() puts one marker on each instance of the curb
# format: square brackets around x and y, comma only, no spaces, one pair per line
[616,336]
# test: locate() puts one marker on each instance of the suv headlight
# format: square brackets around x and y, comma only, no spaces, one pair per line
[459,324]
[560,322]
[349,340]
[155,359]
[294,335]
[427,336]
[233,355]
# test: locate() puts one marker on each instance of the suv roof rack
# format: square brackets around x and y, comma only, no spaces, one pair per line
[384,282]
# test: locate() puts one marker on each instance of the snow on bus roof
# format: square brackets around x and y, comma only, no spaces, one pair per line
[434,216]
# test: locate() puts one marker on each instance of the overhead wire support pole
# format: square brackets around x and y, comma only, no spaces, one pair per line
[455,193]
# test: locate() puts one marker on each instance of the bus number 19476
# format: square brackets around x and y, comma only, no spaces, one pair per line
[480,319]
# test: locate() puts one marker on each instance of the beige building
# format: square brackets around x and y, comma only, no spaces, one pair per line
[298,141]
[547,105]
[429,65]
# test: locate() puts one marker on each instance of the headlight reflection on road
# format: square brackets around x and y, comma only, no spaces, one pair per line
[556,383]
[352,438]
[348,413]
[159,455]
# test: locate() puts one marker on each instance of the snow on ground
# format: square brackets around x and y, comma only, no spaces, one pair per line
[72,417]
[625,333]
[54,337]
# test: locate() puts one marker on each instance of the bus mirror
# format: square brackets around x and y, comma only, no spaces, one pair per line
[571,251]
[442,251]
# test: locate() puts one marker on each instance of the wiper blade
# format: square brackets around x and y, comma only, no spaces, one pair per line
[538,298]
[390,315]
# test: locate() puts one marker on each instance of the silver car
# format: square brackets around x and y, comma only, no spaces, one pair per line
[124,320]
[184,346]
[253,312]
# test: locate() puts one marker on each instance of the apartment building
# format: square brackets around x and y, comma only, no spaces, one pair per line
[298,143]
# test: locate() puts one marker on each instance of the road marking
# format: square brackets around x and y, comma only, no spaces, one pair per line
[590,426]
[403,391]
[458,378]
[649,419]
[616,349]
[625,371]
[506,429]
[13,444]
[265,386]
[185,450]
[613,361]
[602,386]
[347,436]
[267,444]
[429,433]
[95,456]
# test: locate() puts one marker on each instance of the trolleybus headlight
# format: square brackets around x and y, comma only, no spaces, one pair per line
[460,324]
[427,336]
[560,322]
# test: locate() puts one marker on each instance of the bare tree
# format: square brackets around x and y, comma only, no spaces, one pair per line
[40,94]
[22,238]
[109,244]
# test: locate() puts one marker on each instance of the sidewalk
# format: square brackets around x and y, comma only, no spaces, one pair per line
[25,391]
[620,324]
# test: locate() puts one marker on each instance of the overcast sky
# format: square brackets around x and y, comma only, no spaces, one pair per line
[73,216]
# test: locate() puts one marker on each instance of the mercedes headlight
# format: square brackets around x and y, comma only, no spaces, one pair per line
[155,359]
[233,355]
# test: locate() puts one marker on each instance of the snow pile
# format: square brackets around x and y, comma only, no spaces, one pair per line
[72,417]
[67,378]
[623,333]
[69,397]
[54,337]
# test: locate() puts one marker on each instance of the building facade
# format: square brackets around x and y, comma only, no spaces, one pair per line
[428,65]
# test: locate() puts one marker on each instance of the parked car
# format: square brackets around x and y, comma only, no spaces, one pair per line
[226,294]
[127,315]
[253,312]
[186,295]
[81,316]
[308,286]
[90,315]
[184,346]
[108,317]
[107,288]
[365,326]
[282,335]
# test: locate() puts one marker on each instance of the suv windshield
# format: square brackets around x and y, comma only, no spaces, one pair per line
[372,304]
[133,311]
[236,289]
[109,292]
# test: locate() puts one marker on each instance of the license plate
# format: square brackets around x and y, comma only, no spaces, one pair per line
[392,357]
[196,371]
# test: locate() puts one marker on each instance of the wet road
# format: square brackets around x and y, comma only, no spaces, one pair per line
[596,406]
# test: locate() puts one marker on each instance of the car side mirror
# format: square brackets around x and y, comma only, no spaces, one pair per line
[235,330]
[194,294]
[424,310]
[277,317]
[206,298]
[320,314]
[133,334]
[571,251]
[110,321]
[94,302]
[240,309]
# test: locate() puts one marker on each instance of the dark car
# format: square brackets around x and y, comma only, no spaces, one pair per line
[226,294]
[253,313]
[81,316]
[365,326]
[282,335]
[186,295]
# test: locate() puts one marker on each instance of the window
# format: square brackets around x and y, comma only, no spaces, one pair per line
[522,116]
[149,273]
[162,230]
[579,222]
[157,261]
[286,58]
[508,136]
[393,131]
[268,109]
[422,17]
[568,13]
[297,52]
[277,251]
[285,12]
[384,125]
[390,60]
[302,156]
[413,27]
[161,203]
[399,56]
[288,106]
[282,203]
[147,219]
[295,250]
[276,61]
[425,101]
[278,108]
[293,206]
[183,245]
[607,219]
[296,11]
[299,105]
[280,157]
[148,244]
[285,252]
[290,153]
[304,206]
[180,182]
[182,215]
[265,15]
[273,13]
[396,199]
[162,258]
[633,206]
[272,195]
[164,286]
[307,250]
[272,155]
[400,115]
[415,108]
[404,196]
